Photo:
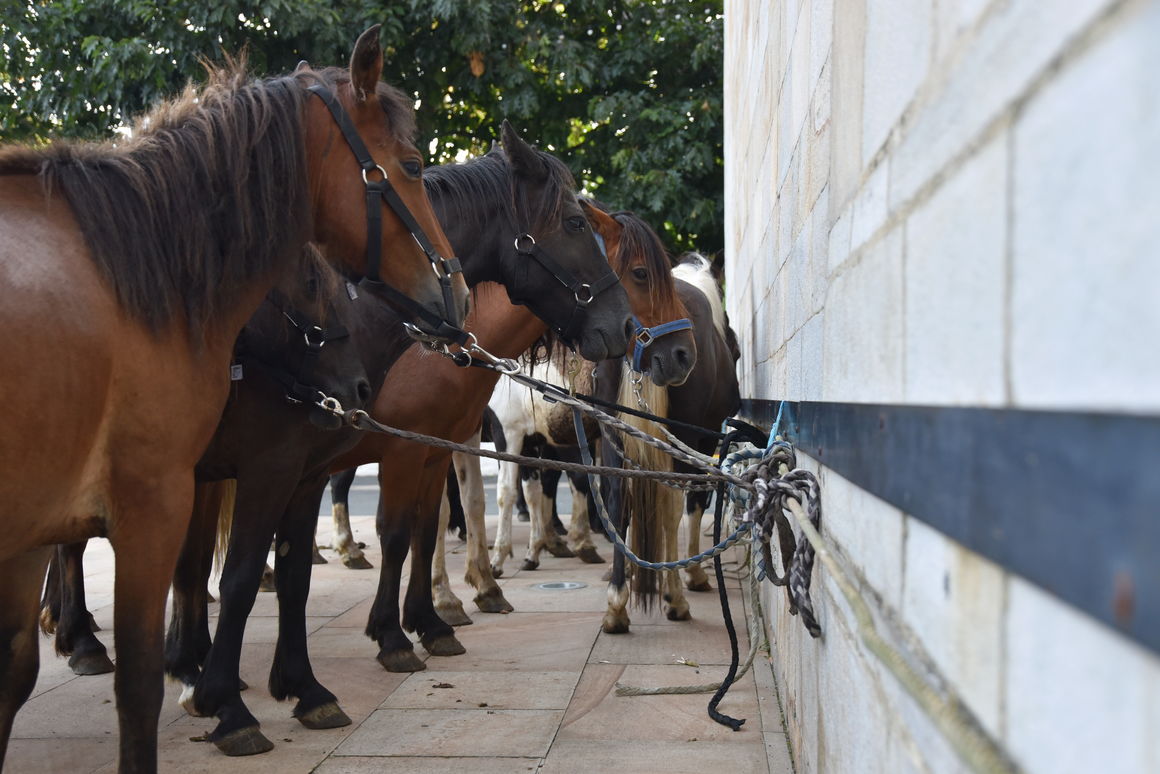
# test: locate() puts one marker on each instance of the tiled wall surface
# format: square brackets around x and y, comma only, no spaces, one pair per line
[948,202]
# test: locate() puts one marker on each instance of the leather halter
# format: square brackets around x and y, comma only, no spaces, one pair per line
[646,336]
[314,338]
[381,189]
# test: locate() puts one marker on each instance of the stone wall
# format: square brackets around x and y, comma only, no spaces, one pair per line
[948,203]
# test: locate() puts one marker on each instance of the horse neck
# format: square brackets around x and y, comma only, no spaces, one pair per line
[503,329]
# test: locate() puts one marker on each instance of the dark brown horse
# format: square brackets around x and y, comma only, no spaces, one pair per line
[412,477]
[127,272]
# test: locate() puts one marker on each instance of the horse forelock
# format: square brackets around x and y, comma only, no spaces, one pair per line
[637,238]
[695,269]
[208,192]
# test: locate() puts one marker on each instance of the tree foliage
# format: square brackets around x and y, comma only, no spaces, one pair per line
[628,93]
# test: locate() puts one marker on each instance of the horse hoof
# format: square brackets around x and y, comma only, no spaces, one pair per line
[528,565]
[454,615]
[356,563]
[698,584]
[493,601]
[607,576]
[318,558]
[244,741]
[523,516]
[496,572]
[614,624]
[327,715]
[446,645]
[187,703]
[94,663]
[560,550]
[678,614]
[401,661]
[267,583]
[588,555]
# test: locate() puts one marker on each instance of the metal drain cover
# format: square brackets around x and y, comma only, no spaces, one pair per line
[560,585]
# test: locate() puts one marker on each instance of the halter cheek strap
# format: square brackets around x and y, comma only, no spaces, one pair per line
[379,190]
[582,292]
[646,336]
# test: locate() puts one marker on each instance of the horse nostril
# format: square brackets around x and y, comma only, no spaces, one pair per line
[363,391]
[629,328]
[682,357]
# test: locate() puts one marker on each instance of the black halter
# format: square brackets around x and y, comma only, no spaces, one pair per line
[583,292]
[382,189]
[314,338]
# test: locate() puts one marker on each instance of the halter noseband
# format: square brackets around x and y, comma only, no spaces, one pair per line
[381,189]
[646,336]
[584,293]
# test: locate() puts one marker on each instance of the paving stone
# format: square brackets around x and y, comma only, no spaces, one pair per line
[474,733]
[50,755]
[683,757]
[433,765]
[437,689]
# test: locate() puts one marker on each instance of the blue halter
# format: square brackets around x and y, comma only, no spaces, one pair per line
[646,336]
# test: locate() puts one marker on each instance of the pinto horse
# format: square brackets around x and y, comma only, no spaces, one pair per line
[654,511]
[127,272]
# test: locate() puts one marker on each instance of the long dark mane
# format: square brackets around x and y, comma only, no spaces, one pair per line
[208,193]
[461,190]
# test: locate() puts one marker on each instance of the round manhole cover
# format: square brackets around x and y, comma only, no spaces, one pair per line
[561,585]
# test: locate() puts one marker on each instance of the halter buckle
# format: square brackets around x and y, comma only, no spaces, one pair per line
[644,337]
[586,289]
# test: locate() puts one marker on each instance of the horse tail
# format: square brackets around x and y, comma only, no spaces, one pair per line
[646,503]
[226,493]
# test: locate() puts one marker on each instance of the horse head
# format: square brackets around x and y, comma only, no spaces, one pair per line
[370,208]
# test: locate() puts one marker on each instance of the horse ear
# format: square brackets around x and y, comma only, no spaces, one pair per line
[303,65]
[601,221]
[523,158]
[366,64]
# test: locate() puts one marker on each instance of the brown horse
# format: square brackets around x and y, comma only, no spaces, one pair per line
[412,476]
[127,272]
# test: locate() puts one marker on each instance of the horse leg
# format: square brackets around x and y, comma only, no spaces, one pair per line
[256,512]
[396,651]
[506,486]
[695,577]
[447,605]
[533,491]
[678,606]
[291,674]
[552,529]
[74,630]
[147,531]
[488,597]
[19,644]
[419,614]
[616,620]
[344,543]
[580,535]
[187,642]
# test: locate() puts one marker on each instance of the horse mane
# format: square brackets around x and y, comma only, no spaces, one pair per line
[694,268]
[208,192]
[638,238]
[460,187]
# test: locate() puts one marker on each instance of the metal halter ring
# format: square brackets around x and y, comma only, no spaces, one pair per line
[587,290]
[315,337]
[528,237]
[382,172]
[331,404]
[644,337]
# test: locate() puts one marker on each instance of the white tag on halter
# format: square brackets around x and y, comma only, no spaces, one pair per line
[236,372]
[350,290]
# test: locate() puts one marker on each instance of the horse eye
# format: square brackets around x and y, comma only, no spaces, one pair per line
[412,167]
[576,223]
[640,273]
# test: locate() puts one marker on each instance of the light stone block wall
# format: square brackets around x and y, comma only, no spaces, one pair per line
[948,202]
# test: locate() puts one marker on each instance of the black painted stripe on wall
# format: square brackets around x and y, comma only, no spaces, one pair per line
[1069,501]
